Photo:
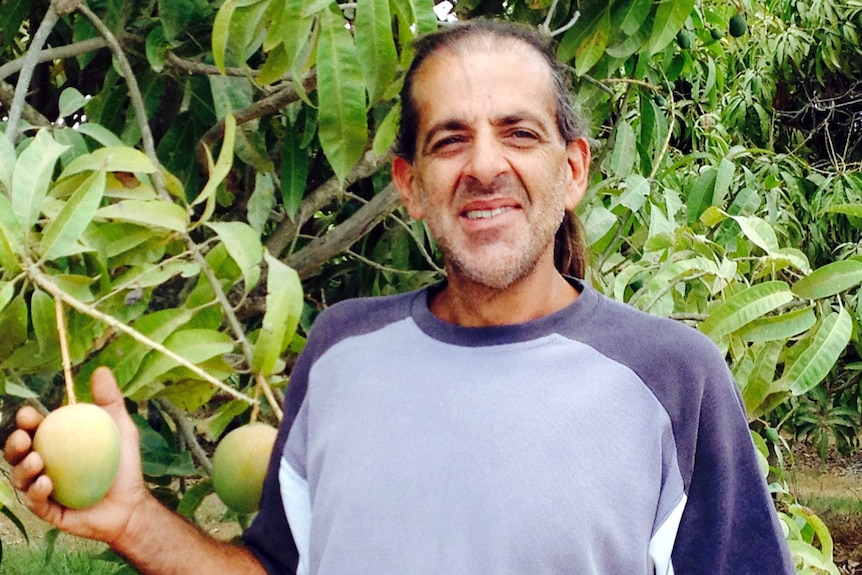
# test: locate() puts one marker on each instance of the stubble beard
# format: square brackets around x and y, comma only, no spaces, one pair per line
[499,262]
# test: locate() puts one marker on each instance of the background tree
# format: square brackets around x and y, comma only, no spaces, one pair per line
[184,184]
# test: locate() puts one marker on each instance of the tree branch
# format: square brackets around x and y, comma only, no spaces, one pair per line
[31,59]
[263,107]
[29,113]
[186,427]
[194,67]
[311,257]
[287,230]
[51,54]
[134,94]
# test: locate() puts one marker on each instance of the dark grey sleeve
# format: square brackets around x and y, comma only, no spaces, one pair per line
[729,526]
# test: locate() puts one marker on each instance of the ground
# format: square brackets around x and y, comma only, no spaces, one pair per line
[833,489]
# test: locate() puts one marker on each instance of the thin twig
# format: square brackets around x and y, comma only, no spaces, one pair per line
[27,67]
[29,113]
[51,54]
[134,95]
[668,136]
[43,282]
[264,386]
[565,27]
[64,351]
[186,428]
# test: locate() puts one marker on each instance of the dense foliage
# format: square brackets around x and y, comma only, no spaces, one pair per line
[189,182]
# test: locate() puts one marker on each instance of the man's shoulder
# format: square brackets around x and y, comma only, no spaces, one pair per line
[362,315]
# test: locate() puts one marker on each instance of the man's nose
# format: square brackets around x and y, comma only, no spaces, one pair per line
[487,159]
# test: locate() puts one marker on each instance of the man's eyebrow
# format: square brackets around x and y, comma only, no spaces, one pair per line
[521,117]
[447,125]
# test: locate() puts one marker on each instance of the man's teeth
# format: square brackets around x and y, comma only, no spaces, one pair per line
[483,214]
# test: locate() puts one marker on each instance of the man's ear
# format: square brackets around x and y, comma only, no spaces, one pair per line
[579,157]
[403,178]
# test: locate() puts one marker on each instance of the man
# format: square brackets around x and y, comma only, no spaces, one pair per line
[510,420]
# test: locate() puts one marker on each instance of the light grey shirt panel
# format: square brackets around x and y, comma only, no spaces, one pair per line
[533,457]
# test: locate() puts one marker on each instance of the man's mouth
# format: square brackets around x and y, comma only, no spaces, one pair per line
[485,214]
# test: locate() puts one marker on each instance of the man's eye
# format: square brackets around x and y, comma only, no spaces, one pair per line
[523,134]
[447,142]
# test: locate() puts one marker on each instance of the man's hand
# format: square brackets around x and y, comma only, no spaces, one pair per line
[108,519]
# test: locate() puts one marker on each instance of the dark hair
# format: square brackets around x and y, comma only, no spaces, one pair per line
[569,249]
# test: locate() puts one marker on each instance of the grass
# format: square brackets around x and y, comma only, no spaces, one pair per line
[34,560]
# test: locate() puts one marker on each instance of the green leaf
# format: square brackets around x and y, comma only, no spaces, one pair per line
[13,326]
[312,7]
[631,16]
[375,46]
[158,458]
[100,134]
[669,19]
[7,165]
[194,345]
[243,244]
[593,47]
[761,377]
[292,31]
[71,100]
[188,395]
[384,137]
[193,498]
[7,292]
[294,173]
[221,168]
[221,33]
[699,198]
[32,175]
[153,213]
[854,210]
[16,521]
[44,315]
[779,327]
[829,280]
[341,89]
[62,233]
[283,310]
[122,159]
[156,49]
[814,364]
[745,307]
[623,155]
[723,179]
[176,16]
[11,236]
[759,232]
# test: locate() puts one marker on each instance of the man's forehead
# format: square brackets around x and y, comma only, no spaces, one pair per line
[496,69]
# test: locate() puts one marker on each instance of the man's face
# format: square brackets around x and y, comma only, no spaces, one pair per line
[492,175]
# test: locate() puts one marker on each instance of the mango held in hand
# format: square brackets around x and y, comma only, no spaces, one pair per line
[239,465]
[80,447]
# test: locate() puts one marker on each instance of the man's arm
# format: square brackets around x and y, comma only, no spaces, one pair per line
[129,519]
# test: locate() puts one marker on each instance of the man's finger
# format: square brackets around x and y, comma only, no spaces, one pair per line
[27,471]
[28,419]
[18,445]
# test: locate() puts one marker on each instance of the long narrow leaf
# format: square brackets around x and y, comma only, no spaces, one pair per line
[745,307]
[149,213]
[32,175]
[375,46]
[669,19]
[341,88]
[61,235]
[820,356]
[283,308]
[243,244]
[829,280]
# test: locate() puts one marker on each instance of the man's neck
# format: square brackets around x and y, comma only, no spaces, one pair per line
[468,304]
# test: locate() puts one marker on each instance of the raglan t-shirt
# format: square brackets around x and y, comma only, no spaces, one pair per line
[595,440]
